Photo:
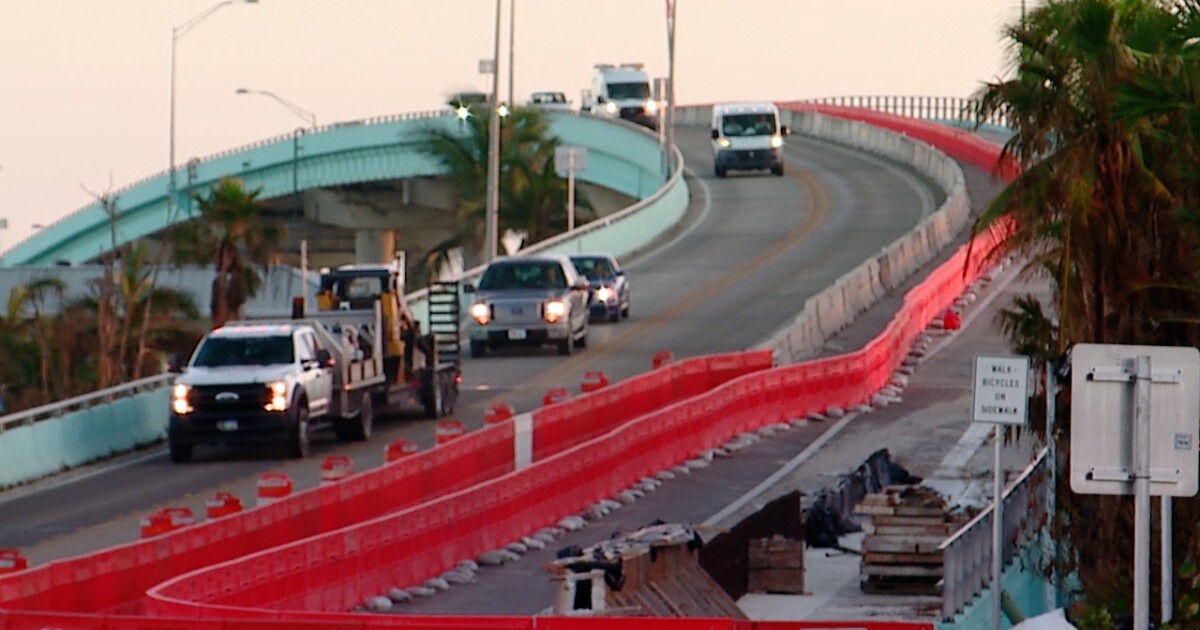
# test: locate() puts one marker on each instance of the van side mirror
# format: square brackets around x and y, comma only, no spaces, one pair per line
[784,131]
[715,134]
[175,363]
[468,288]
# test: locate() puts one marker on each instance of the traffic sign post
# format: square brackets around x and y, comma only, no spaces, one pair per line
[568,161]
[1107,416]
[1000,396]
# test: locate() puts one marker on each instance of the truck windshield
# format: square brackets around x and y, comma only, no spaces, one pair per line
[621,91]
[748,125]
[222,351]
[532,275]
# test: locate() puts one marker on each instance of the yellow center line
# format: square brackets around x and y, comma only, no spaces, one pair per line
[818,214]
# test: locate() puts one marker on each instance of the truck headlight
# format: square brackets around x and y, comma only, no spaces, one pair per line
[776,141]
[651,106]
[610,107]
[179,399]
[723,142]
[555,310]
[481,312]
[277,400]
[604,294]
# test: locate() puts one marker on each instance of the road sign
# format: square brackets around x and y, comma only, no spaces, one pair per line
[1001,391]
[1102,415]
[574,159]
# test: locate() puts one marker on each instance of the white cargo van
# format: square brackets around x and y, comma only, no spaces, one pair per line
[623,92]
[747,136]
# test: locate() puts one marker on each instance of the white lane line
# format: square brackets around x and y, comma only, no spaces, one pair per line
[994,289]
[705,207]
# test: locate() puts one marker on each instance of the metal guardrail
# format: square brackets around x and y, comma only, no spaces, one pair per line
[967,554]
[943,108]
[86,401]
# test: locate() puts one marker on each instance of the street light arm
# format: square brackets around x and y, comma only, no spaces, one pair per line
[182,29]
[308,116]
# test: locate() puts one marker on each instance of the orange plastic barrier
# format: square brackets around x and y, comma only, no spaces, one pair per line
[12,561]
[222,504]
[272,487]
[498,412]
[593,381]
[399,448]
[448,430]
[556,395]
[336,468]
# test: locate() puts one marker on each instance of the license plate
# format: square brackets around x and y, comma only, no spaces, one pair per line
[227,425]
[516,334]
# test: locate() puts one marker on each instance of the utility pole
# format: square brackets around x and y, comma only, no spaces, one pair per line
[512,45]
[493,181]
[672,6]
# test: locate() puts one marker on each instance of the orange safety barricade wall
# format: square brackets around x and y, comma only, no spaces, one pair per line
[564,425]
[418,516]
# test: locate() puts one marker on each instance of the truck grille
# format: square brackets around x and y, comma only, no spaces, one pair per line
[517,312]
[229,398]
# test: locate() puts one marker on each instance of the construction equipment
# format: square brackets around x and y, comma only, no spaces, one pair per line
[424,365]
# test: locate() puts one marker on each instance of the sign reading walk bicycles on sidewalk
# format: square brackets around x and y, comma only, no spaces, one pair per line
[1001,391]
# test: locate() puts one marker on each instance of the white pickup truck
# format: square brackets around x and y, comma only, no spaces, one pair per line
[275,381]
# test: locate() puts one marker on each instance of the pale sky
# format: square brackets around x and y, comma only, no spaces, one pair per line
[84,84]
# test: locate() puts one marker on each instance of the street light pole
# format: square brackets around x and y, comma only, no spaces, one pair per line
[672,6]
[308,116]
[176,33]
[512,44]
[493,182]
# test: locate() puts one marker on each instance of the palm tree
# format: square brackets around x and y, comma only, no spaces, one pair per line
[532,196]
[1104,117]
[231,234]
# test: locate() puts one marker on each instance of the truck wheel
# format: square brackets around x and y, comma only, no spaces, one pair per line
[778,169]
[298,445]
[180,453]
[566,347]
[719,171]
[431,397]
[357,428]
[478,349]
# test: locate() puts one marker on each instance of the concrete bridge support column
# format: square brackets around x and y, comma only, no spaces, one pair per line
[374,246]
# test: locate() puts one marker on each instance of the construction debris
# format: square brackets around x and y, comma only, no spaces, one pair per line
[653,572]
[901,551]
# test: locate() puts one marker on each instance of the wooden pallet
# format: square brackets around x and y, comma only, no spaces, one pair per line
[901,552]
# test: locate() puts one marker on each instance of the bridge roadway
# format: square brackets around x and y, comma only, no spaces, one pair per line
[919,432]
[752,248]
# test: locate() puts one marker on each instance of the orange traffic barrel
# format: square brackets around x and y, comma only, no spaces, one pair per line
[12,561]
[663,357]
[166,520]
[273,486]
[336,468]
[448,430]
[556,395]
[498,412]
[222,504]
[593,381]
[399,448]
